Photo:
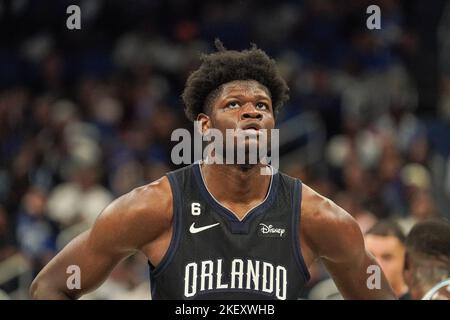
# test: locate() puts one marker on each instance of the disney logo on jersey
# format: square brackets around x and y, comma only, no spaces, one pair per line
[271,231]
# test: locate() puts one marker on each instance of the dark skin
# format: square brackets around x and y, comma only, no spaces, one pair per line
[141,221]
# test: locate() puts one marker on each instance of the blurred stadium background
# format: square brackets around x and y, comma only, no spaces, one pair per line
[86,115]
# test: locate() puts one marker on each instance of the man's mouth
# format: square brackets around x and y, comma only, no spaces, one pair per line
[249,131]
[251,128]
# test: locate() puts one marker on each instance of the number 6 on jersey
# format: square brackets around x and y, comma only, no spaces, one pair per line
[195,208]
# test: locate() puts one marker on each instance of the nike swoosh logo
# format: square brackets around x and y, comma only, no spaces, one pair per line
[193,229]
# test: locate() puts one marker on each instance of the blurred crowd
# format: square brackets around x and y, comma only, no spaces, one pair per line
[86,115]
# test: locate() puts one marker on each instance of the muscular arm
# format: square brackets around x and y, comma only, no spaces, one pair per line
[334,236]
[133,222]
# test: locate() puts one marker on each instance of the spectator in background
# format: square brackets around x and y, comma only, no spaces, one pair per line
[128,281]
[427,259]
[79,200]
[36,233]
[417,181]
[392,188]
[6,237]
[386,242]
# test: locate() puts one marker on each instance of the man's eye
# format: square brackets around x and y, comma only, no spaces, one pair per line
[261,106]
[233,105]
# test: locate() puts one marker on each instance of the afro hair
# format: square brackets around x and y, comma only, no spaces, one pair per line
[225,66]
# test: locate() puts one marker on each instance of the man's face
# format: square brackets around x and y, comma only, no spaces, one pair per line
[389,252]
[243,106]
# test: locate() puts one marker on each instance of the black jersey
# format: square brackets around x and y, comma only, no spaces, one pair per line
[214,255]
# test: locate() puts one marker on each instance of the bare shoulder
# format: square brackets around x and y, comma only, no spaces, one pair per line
[151,201]
[138,217]
[329,230]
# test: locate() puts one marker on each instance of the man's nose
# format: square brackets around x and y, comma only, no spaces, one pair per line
[250,112]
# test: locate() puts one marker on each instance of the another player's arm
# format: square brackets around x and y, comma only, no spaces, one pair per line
[128,224]
[335,237]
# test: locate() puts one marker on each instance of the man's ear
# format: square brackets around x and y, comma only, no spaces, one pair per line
[407,272]
[204,123]
[407,263]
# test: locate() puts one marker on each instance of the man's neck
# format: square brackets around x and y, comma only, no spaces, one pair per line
[236,183]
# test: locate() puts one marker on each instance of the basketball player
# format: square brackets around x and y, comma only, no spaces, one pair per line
[221,231]
[427,260]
